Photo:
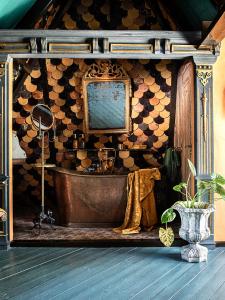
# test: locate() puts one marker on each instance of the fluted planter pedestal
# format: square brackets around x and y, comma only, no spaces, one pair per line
[194,229]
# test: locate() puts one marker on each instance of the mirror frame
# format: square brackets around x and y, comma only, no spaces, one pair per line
[106,72]
[32,120]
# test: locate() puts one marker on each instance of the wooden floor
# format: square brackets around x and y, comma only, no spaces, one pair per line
[109,273]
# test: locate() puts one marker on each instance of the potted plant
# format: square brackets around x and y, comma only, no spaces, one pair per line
[194,213]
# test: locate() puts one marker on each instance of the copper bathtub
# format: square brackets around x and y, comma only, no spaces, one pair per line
[86,200]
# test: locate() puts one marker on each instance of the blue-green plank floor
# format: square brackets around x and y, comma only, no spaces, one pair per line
[109,273]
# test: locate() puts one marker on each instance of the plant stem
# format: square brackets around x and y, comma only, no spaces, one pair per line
[200,193]
[187,194]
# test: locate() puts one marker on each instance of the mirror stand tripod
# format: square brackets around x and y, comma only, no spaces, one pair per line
[42,217]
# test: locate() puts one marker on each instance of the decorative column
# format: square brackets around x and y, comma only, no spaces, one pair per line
[204,147]
[5,142]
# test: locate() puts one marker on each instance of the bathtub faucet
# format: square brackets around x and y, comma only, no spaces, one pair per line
[106,161]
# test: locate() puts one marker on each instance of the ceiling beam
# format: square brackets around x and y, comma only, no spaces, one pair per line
[167,14]
[216,31]
[36,11]
[64,7]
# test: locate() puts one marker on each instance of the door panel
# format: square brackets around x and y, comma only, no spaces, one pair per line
[184,118]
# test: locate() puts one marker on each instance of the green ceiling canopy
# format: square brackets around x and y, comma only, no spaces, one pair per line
[12,11]
[189,14]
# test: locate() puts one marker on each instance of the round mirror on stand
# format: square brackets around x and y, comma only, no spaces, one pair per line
[42,117]
[43,120]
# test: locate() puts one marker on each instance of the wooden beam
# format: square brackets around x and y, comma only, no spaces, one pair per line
[216,32]
[59,15]
[36,11]
[167,15]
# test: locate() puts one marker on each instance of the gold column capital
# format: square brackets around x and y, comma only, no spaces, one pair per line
[204,72]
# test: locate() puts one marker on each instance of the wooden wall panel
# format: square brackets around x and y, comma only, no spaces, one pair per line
[184,119]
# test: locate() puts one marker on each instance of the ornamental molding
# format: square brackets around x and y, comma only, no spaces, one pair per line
[204,73]
[106,70]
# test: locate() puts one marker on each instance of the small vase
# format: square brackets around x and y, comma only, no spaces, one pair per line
[194,229]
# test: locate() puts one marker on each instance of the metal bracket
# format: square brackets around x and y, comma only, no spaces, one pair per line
[95,45]
[33,45]
[157,46]
[44,45]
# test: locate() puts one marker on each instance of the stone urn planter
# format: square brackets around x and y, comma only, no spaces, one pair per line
[194,214]
[194,229]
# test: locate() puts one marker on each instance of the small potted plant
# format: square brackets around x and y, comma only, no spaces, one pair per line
[194,213]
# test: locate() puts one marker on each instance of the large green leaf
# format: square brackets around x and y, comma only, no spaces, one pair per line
[218,179]
[220,190]
[168,216]
[179,203]
[166,236]
[179,187]
[202,185]
[192,168]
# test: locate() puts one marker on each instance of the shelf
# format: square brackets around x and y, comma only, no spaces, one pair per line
[45,165]
[117,150]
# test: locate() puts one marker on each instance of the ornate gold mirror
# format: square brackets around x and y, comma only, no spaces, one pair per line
[106,89]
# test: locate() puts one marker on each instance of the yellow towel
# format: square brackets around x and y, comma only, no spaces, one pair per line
[141,207]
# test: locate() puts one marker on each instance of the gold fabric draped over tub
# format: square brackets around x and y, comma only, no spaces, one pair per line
[89,200]
[141,206]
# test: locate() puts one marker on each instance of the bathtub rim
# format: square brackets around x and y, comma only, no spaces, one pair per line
[80,174]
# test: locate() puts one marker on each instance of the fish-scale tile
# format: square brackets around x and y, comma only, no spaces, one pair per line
[158,132]
[169,81]
[153,126]
[164,114]
[157,144]
[159,107]
[160,94]
[154,101]
[163,138]
[165,101]
[138,107]
[148,120]
[149,80]
[138,132]
[164,126]
[166,74]
[154,88]
[154,113]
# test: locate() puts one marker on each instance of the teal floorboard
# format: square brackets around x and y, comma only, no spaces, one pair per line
[109,273]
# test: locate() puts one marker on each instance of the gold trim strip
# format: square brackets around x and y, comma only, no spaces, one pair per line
[176,48]
[131,48]
[14,47]
[69,48]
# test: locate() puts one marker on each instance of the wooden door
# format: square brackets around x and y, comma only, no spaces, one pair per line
[184,117]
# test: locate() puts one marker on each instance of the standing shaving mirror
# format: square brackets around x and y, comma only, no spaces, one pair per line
[106,89]
[42,117]
[43,120]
